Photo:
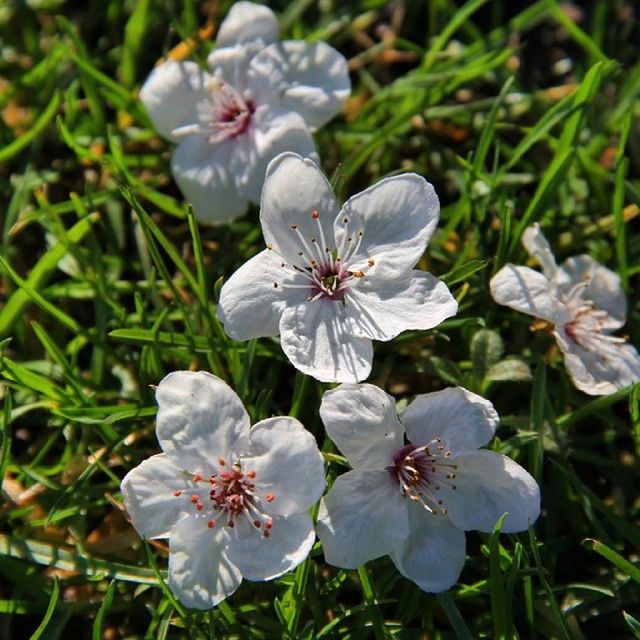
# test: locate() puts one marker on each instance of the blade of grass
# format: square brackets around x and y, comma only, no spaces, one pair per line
[55,596]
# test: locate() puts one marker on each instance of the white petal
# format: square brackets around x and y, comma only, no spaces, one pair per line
[200,572]
[604,288]
[362,422]
[270,136]
[201,171]
[602,370]
[315,337]
[464,420]
[250,305]
[289,543]
[171,95]
[538,247]
[397,217]
[434,553]
[231,63]
[489,484]
[314,76]
[200,419]
[148,495]
[288,464]
[382,309]
[294,187]
[528,291]
[248,22]
[361,518]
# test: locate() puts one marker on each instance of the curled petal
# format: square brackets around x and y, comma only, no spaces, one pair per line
[464,420]
[248,22]
[200,572]
[362,422]
[315,337]
[361,518]
[489,484]
[149,495]
[287,464]
[200,419]
[538,247]
[434,552]
[397,217]
[289,543]
[528,291]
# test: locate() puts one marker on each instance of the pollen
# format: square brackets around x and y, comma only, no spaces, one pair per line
[371,262]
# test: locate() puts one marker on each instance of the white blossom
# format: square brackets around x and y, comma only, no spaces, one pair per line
[233,501]
[332,279]
[417,484]
[257,98]
[584,302]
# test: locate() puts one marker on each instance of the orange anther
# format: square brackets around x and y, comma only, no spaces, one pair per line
[315,214]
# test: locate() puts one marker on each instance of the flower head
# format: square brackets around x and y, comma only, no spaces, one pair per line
[233,501]
[258,97]
[416,486]
[584,302]
[332,279]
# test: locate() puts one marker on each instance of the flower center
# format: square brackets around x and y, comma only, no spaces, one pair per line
[421,471]
[320,270]
[229,495]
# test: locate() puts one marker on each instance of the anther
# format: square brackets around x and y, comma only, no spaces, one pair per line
[195,499]
[275,285]
[294,226]
[197,477]
[199,506]
[211,524]
[177,493]
[221,462]
[315,214]
[371,262]
[269,246]
[270,497]
[251,474]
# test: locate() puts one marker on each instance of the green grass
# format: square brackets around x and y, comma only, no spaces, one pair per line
[514,111]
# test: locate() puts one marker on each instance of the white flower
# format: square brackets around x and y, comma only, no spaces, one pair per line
[585,303]
[232,501]
[412,498]
[258,98]
[331,279]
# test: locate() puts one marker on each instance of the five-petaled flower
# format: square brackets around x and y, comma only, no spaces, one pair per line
[585,303]
[412,498]
[260,97]
[233,501]
[332,279]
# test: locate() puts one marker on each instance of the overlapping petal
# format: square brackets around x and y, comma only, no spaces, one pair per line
[362,422]
[200,418]
[248,22]
[363,517]
[538,247]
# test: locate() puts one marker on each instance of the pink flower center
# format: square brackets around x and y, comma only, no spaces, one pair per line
[231,114]
[229,495]
[421,471]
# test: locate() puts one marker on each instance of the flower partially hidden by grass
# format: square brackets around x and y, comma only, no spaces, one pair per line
[413,498]
[333,279]
[258,98]
[585,303]
[233,501]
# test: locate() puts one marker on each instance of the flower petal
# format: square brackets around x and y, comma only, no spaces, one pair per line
[200,419]
[528,291]
[288,464]
[248,22]
[380,310]
[171,95]
[489,484]
[201,171]
[362,422]
[315,337]
[200,572]
[397,217]
[434,553]
[250,305]
[361,518]
[289,543]
[602,370]
[538,247]
[603,288]
[230,63]
[148,492]
[268,137]
[314,76]
[463,420]
[294,187]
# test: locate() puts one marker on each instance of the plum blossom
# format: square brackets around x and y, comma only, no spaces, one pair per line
[333,279]
[257,98]
[584,302]
[233,501]
[417,484]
